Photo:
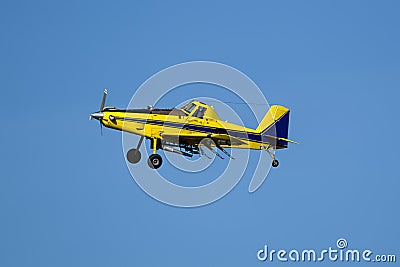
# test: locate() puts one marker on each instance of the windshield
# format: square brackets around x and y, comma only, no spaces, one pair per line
[188,107]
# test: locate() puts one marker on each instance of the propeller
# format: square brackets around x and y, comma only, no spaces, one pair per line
[99,115]
[103,101]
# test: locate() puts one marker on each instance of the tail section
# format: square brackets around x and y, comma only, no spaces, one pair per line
[276,124]
[277,115]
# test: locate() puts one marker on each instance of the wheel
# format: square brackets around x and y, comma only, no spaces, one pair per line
[155,161]
[133,156]
[275,163]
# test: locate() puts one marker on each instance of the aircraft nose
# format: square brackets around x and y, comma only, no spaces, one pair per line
[97,116]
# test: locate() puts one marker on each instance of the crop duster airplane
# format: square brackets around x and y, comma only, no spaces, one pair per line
[193,127]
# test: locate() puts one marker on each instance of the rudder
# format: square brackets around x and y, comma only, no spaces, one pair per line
[276,123]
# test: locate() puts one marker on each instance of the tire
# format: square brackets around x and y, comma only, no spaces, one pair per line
[275,163]
[154,161]
[133,156]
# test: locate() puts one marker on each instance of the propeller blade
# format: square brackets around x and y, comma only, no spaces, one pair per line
[103,101]
[101,129]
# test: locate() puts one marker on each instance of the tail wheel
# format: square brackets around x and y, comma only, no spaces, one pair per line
[133,156]
[155,161]
[275,163]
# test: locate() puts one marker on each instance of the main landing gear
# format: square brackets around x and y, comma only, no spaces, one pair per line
[154,161]
[133,154]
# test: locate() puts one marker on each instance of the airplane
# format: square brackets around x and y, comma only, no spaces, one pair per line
[189,129]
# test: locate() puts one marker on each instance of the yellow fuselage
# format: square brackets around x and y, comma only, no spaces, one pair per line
[157,126]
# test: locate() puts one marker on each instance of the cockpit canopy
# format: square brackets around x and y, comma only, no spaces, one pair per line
[199,110]
[188,108]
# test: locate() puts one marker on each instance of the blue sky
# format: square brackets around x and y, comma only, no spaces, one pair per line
[66,196]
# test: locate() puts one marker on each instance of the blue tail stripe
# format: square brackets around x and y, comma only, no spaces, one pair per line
[280,129]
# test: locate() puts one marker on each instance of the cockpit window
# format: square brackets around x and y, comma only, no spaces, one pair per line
[199,113]
[188,107]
